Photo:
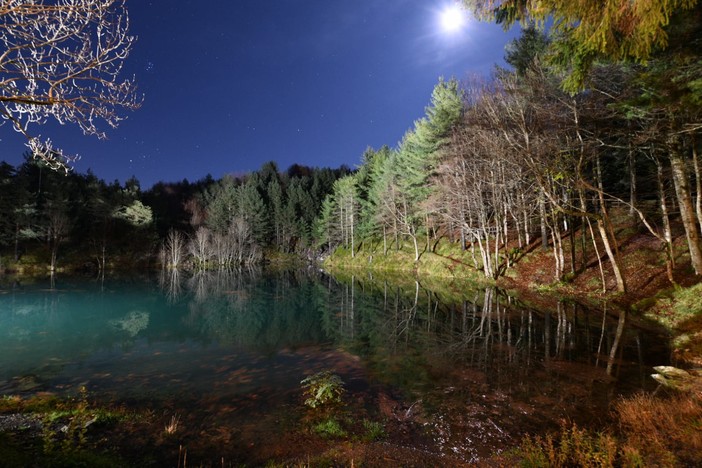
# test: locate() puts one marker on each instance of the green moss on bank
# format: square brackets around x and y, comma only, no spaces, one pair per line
[442,260]
[675,307]
[680,310]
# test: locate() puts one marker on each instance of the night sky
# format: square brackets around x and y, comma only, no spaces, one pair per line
[229,85]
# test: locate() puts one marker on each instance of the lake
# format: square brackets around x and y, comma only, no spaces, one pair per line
[455,375]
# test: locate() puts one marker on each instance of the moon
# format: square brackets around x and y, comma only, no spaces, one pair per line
[452,18]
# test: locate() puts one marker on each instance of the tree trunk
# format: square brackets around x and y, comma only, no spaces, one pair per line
[604,226]
[621,285]
[426,223]
[687,211]
[633,191]
[667,232]
[557,253]
[472,253]
[353,244]
[17,231]
[484,256]
[583,234]
[542,215]
[573,268]
[525,214]
[416,247]
[385,240]
[599,257]
[698,182]
[54,253]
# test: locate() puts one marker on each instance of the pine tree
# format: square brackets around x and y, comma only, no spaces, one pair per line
[252,209]
[222,204]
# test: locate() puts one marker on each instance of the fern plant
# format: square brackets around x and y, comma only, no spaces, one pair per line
[323,388]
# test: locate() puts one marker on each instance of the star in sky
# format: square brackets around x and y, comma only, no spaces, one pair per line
[231,85]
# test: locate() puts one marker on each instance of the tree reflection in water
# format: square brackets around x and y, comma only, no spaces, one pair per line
[454,370]
[487,361]
[471,370]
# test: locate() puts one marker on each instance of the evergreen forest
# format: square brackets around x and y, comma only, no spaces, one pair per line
[495,165]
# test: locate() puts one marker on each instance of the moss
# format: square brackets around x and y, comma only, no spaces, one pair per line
[676,307]
[40,403]
[688,302]
[64,434]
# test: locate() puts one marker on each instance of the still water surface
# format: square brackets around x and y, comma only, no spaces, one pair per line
[462,377]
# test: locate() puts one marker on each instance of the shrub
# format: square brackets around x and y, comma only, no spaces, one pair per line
[374,430]
[572,447]
[653,432]
[323,388]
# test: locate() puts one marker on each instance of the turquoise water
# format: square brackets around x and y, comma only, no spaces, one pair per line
[227,353]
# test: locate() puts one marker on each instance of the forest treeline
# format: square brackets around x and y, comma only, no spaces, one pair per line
[236,220]
[53,220]
[46,215]
[499,164]
[496,165]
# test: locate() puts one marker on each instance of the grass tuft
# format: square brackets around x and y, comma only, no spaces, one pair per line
[173,425]
[330,429]
[374,430]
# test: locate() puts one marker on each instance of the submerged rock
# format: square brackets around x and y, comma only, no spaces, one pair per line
[23,384]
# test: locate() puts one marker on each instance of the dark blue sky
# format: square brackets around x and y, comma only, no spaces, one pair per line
[230,85]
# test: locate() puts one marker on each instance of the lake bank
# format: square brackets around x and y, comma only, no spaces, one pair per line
[651,295]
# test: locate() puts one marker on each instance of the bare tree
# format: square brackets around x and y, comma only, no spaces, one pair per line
[173,249]
[58,227]
[200,247]
[223,249]
[62,60]
[241,237]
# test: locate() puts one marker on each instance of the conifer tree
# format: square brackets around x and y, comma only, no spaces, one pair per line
[589,29]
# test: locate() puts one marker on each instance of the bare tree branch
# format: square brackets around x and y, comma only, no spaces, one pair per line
[63,60]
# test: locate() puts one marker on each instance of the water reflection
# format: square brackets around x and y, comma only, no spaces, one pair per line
[485,329]
[488,364]
[456,371]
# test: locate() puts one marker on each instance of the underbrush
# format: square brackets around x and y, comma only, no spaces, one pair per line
[679,310]
[648,431]
[56,432]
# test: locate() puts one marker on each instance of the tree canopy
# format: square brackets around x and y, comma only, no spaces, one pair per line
[589,29]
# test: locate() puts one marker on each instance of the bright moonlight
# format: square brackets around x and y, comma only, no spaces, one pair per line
[452,18]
